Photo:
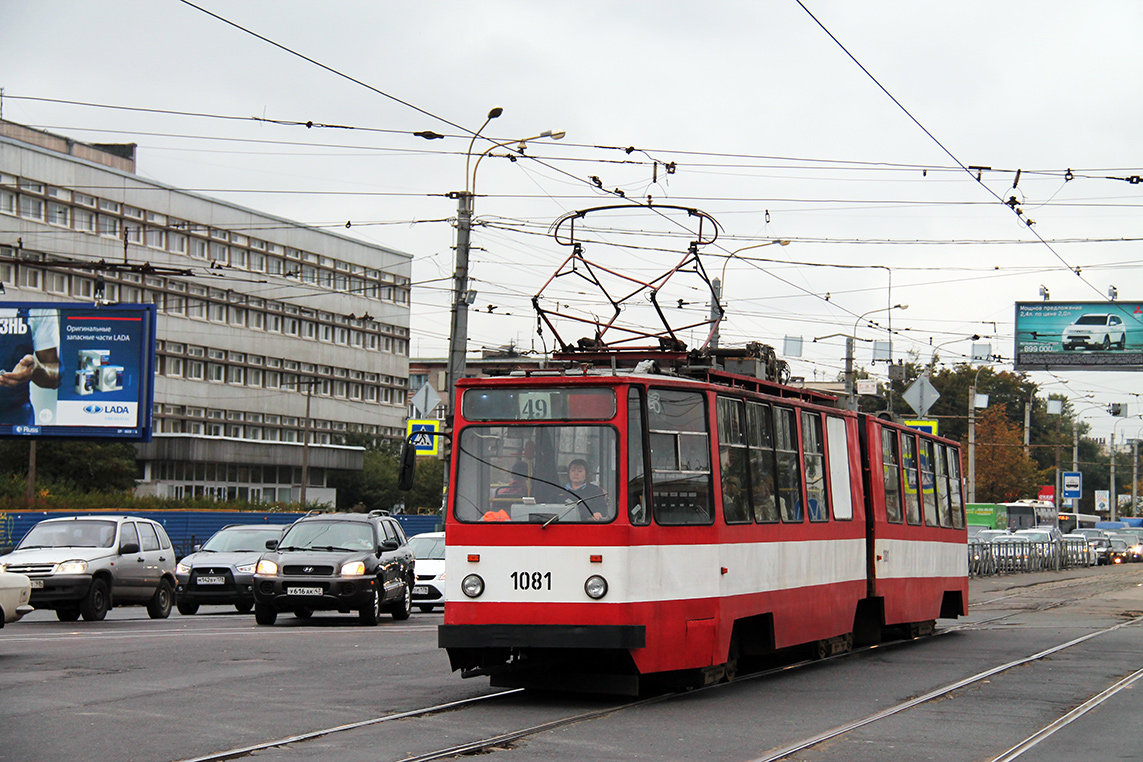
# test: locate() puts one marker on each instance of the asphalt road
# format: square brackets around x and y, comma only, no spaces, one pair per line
[130,688]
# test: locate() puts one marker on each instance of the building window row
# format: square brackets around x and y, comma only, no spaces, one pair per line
[222,248]
[175,298]
[252,373]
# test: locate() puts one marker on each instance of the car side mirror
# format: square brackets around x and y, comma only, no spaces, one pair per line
[128,548]
[390,545]
[271,544]
[198,547]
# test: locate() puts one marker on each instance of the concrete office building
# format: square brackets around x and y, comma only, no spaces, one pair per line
[269,316]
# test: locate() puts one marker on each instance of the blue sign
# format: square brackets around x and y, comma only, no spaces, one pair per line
[76,370]
[1073,485]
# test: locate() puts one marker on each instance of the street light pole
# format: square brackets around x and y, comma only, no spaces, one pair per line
[716,311]
[851,340]
[458,332]
[462,296]
[972,436]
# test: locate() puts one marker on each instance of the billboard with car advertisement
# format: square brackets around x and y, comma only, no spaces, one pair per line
[1079,335]
[76,370]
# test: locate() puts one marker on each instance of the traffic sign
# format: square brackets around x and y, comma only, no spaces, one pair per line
[426,400]
[1073,484]
[929,426]
[424,436]
[921,395]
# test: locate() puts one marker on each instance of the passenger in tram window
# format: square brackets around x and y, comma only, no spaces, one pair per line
[518,487]
[591,498]
[766,508]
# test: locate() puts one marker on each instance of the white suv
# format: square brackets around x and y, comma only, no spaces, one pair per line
[84,565]
[1097,331]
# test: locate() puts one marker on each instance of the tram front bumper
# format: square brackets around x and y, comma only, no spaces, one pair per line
[621,636]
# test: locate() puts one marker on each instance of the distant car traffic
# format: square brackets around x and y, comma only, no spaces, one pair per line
[15,591]
[84,565]
[221,570]
[429,549]
[337,562]
[1096,330]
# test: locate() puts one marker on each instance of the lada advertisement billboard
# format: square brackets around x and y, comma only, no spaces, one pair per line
[76,370]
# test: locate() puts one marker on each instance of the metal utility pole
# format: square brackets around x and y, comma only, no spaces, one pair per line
[850,396]
[972,442]
[306,447]
[715,311]
[31,491]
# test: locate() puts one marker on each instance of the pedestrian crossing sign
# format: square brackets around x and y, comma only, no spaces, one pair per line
[424,436]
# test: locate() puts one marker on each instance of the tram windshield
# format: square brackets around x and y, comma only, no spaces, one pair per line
[548,473]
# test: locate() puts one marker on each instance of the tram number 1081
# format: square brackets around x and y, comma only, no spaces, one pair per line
[523,580]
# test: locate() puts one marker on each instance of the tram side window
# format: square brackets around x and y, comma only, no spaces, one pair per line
[954,488]
[813,459]
[943,511]
[680,457]
[789,473]
[732,458]
[840,489]
[909,469]
[891,475]
[760,441]
[637,504]
[928,483]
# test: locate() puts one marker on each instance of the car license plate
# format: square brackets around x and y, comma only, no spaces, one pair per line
[211,580]
[37,583]
[305,591]
[421,590]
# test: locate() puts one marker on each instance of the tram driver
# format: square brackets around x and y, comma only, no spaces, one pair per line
[591,499]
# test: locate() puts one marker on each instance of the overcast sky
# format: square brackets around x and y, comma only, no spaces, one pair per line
[772,128]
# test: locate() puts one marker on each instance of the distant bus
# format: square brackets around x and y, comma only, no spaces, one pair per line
[1025,514]
[987,515]
[1070,522]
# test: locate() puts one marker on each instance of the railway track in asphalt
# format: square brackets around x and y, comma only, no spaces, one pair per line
[506,739]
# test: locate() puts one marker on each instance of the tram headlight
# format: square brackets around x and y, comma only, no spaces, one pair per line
[472,586]
[595,587]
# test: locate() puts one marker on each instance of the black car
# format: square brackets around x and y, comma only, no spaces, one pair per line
[221,570]
[337,562]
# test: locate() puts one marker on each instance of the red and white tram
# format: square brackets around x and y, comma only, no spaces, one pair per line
[722,516]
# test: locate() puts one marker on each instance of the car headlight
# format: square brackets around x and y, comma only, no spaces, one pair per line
[71,567]
[3,567]
[595,587]
[266,568]
[245,568]
[472,586]
[182,568]
[353,569]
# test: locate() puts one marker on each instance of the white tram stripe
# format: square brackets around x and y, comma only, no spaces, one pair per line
[638,574]
[896,559]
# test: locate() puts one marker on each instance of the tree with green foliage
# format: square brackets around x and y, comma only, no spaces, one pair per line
[72,464]
[1003,471]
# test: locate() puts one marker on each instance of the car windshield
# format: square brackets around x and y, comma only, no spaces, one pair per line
[328,535]
[235,540]
[1092,320]
[1118,544]
[427,548]
[69,534]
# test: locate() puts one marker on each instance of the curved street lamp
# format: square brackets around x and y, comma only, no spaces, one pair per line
[850,341]
[716,310]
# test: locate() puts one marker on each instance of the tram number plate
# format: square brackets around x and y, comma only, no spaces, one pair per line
[305,591]
[525,580]
[37,583]
[210,580]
